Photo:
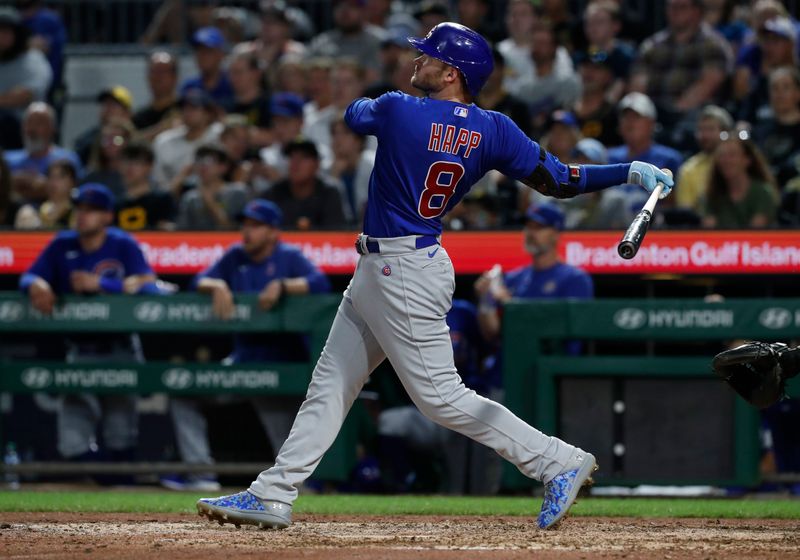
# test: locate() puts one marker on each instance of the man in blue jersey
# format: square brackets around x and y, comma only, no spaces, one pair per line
[261,264]
[431,150]
[545,278]
[93,259]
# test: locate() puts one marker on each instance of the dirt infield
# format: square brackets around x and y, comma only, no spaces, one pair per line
[177,537]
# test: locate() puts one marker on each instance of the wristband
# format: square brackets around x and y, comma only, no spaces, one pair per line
[110,285]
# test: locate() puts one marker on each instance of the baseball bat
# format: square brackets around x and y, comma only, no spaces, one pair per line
[632,240]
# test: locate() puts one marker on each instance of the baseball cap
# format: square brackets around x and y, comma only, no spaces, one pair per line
[94,194]
[638,103]
[547,214]
[427,7]
[120,94]
[210,37]
[781,26]
[286,104]
[592,149]
[719,114]
[565,118]
[196,97]
[302,145]
[263,211]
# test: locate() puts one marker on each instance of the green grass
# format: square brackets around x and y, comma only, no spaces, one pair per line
[168,502]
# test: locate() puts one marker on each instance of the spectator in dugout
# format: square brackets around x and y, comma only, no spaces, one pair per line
[174,148]
[25,76]
[306,201]
[114,103]
[162,112]
[261,264]
[29,165]
[213,203]
[94,258]
[209,53]
[57,211]
[143,205]
[742,193]
[681,85]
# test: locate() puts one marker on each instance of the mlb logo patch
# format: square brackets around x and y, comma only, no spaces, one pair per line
[574,173]
[461,112]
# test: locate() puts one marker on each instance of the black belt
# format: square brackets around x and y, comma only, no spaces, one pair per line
[373,246]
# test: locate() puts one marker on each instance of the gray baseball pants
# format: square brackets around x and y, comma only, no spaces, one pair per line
[395,308]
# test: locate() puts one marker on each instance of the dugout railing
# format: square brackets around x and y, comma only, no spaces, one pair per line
[650,413]
[181,313]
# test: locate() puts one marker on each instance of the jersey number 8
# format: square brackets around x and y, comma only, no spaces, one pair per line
[440,185]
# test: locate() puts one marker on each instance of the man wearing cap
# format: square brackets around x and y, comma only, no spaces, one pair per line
[637,122]
[25,76]
[115,103]
[307,202]
[694,174]
[287,118]
[260,264]
[213,203]
[94,258]
[175,148]
[209,54]
[595,111]
[352,37]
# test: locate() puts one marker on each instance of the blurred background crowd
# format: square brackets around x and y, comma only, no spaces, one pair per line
[245,101]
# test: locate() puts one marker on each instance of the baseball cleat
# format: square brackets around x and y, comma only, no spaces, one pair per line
[561,492]
[245,508]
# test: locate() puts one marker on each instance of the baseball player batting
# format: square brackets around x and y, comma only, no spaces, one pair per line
[430,152]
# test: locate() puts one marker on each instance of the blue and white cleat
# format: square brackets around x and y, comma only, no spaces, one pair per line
[560,493]
[245,508]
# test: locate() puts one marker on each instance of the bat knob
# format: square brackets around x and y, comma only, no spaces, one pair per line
[626,250]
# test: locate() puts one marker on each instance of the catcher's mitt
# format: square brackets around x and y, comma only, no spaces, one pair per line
[757,370]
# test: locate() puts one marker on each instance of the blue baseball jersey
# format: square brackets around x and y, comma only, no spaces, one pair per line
[430,153]
[118,258]
[559,281]
[468,344]
[243,275]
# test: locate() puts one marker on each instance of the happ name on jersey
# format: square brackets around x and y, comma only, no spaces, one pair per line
[444,139]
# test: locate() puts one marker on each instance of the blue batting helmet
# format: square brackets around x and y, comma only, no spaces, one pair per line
[460,47]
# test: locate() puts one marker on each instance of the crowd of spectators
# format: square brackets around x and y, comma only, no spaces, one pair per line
[262,119]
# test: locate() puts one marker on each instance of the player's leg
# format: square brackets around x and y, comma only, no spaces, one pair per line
[408,321]
[351,353]
[75,422]
[191,438]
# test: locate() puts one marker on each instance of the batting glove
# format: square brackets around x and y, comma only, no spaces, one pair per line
[648,176]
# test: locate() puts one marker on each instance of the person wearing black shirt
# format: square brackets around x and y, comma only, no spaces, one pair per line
[306,201]
[142,206]
[162,78]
